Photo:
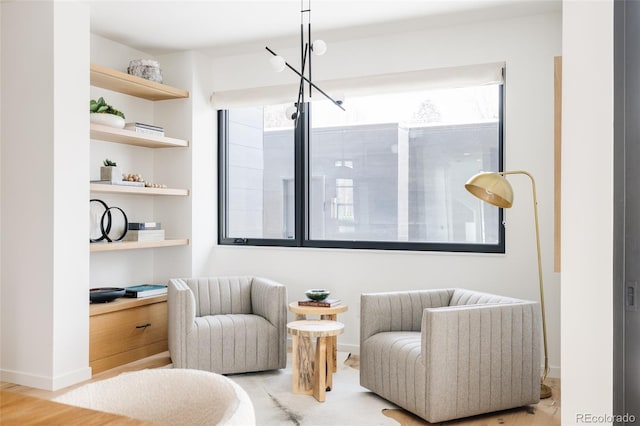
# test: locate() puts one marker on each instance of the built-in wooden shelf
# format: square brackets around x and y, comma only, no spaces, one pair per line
[118,332]
[129,137]
[137,190]
[121,82]
[133,245]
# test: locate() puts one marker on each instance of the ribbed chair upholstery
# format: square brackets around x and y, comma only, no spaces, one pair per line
[227,324]
[452,353]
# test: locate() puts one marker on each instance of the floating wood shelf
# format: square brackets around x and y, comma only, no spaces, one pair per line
[128,137]
[132,245]
[121,82]
[137,190]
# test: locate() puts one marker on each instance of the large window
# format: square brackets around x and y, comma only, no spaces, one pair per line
[388,173]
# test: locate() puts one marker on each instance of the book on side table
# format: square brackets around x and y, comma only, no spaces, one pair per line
[145,290]
[326,303]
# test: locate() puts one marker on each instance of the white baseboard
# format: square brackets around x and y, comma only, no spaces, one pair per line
[46,382]
[554,372]
[353,349]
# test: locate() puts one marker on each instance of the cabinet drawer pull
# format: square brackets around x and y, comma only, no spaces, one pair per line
[144,325]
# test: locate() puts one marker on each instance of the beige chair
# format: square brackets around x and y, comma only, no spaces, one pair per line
[452,353]
[227,324]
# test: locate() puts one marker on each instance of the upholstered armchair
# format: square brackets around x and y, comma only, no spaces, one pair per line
[227,324]
[452,353]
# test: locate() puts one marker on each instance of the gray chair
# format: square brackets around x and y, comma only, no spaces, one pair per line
[227,324]
[452,353]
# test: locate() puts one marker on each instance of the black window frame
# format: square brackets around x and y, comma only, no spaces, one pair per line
[301,184]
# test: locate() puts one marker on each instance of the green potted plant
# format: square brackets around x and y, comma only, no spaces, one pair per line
[110,171]
[103,113]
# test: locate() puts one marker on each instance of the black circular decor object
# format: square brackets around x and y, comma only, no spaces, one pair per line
[105,229]
[105,294]
[106,221]
[108,228]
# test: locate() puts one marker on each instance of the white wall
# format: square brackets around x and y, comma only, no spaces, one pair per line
[1,38]
[528,45]
[587,221]
[44,323]
[192,168]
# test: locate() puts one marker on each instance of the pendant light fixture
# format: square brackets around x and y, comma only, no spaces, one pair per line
[307,48]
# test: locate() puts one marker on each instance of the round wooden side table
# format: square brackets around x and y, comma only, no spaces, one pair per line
[313,373]
[328,313]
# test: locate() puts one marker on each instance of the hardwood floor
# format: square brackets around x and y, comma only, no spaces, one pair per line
[154,361]
[19,409]
[546,412]
[21,405]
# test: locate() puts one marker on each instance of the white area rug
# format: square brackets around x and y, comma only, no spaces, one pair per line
[346,404]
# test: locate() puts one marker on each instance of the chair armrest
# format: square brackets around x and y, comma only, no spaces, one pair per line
[397,311]
[181,319]
[269,300]
[481,355]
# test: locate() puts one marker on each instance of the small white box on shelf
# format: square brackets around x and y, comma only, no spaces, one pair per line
[145,235]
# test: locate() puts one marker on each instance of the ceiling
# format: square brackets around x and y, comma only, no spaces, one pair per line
[218,27]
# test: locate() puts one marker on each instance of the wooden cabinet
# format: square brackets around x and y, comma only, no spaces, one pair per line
[126,330]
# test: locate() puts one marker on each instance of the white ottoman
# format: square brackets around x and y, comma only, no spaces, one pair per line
[168,396]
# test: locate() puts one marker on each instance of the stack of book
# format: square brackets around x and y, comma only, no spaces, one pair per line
[147,129]
[326,303]
[144,232]
[145,290]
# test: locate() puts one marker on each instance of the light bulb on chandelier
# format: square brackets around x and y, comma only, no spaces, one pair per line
[319,47]
[277,63]
[291,112]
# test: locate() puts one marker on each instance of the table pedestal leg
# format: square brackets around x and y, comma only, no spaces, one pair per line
[331,361]
[333,348]
[320,370]
[302,360]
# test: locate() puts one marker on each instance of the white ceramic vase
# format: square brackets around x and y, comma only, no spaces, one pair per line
[107,119]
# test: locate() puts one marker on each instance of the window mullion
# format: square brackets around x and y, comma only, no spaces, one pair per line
[301,175]
[223,164]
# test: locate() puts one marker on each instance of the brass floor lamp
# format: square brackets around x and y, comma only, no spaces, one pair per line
[494,189]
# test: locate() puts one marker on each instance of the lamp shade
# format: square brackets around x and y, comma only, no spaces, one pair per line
[492,188]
